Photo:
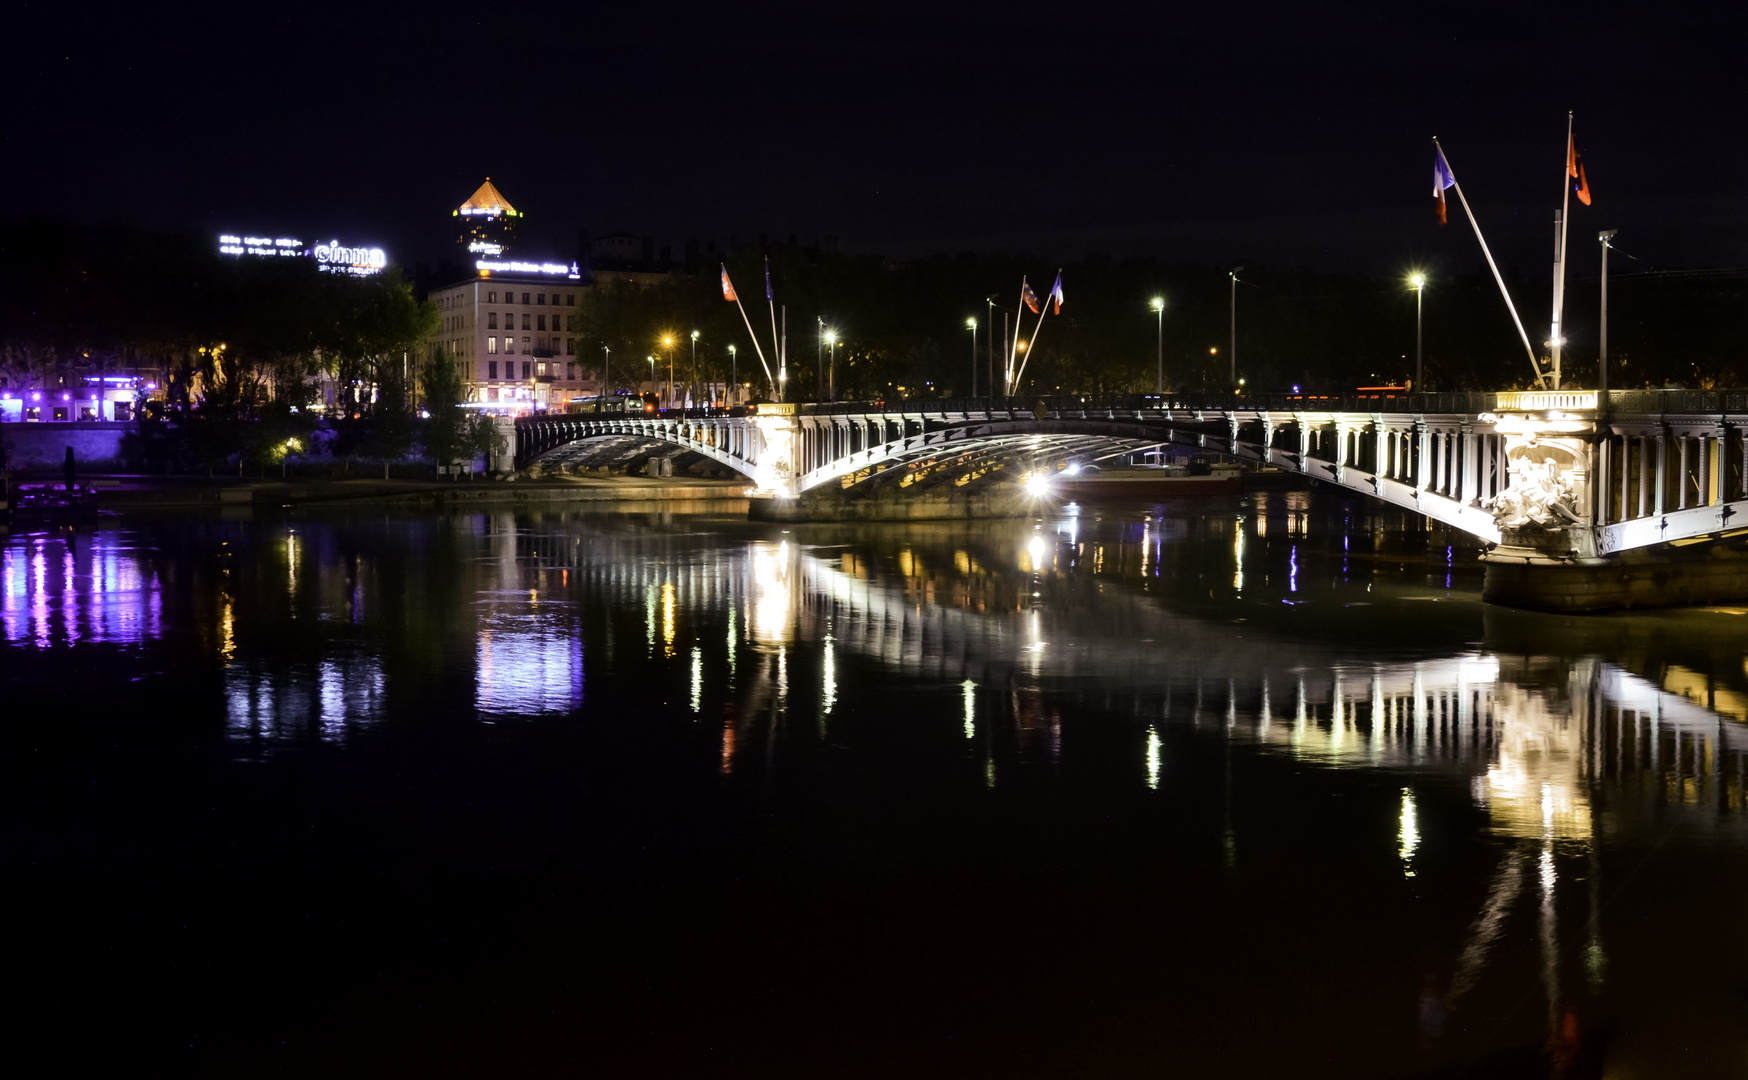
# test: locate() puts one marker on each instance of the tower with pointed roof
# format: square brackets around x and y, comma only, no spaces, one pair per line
[487,222]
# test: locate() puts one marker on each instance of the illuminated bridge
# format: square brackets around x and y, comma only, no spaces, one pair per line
[1588,487]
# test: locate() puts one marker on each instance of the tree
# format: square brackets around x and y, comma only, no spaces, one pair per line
[451,435]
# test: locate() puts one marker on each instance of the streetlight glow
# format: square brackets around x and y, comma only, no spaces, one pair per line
[1158,303]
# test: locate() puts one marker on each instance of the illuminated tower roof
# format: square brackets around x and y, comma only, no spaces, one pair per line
[487,221]
[487,200]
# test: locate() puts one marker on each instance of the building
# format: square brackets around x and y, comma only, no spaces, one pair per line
[514,337]
[487,222]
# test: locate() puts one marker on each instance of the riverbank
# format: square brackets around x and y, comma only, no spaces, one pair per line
[134,492]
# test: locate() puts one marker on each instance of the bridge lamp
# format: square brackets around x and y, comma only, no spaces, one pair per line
[971,325]
[1037,485]
[1158,306]
[1417,282]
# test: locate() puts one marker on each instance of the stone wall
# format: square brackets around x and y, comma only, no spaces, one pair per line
[44,445]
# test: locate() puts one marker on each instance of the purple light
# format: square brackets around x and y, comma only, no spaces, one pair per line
[36,397]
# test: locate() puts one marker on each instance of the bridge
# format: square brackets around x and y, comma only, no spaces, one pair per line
[1599,493]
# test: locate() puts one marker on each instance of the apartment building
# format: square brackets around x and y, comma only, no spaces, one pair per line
[514,336]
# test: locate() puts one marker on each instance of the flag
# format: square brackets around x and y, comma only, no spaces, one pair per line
[727,286]
[1441,179]
[1056,294]
[1575,169]
[1030,298]
[770,297]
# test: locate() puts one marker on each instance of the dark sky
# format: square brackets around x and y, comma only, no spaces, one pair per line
[1295,134]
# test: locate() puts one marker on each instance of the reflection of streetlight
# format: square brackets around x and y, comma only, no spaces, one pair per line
[1159,309]
[1417,282]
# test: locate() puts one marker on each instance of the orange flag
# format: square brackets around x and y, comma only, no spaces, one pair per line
[1575,169]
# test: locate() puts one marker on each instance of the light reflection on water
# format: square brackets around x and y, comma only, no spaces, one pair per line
[1562,736]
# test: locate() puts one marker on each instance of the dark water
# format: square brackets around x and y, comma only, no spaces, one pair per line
[1226,787]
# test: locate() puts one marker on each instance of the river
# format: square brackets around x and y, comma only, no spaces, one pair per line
[1231,786]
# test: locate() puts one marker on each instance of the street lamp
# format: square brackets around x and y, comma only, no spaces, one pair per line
[971,324]
[1159,380]
[1232,353]
[1418,283]
[606,374]
[694,367]
[831,384]
[1602,354]
[733,374]
[669,342]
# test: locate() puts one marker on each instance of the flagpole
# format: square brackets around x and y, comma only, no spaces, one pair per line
[754,338]
[1014,345]
[1537,368]
[1554,341]
[1044,310]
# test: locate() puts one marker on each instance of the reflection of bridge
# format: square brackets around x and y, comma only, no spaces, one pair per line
[1553,480]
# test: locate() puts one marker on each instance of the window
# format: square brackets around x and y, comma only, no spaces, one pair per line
[542,367]
[492,345]
[509,345]
[570,346]
[492,297]
[570,372]
[540,322]
[527,320]
[524,298]
[570,299]
[491,320]
[540,298]
[526,370]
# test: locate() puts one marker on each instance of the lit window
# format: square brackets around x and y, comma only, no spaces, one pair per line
[492,297]
[509,346]
[543,367]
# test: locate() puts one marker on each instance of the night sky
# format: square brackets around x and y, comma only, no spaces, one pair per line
[1290,134]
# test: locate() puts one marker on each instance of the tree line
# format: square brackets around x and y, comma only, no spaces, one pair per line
[237,346]
[902,327]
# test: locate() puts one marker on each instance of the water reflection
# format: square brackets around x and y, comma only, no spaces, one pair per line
[1012,655]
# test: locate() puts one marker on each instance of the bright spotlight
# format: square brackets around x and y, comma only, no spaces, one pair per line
[1417,280]
[1037,485]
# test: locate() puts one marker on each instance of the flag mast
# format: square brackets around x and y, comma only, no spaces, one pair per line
[729,293]
[1014,345]
[1537,368]
[1554,338]
[1043,311]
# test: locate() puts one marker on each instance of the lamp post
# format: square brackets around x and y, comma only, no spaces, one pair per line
[1418,281]
[831,380]
[1232,352]
[819,358]
[971,324]
[669,342]
[606,373]
[990,383]
[733,374]
[653,385]
[1159,349]
[694,367]
[1602,357]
